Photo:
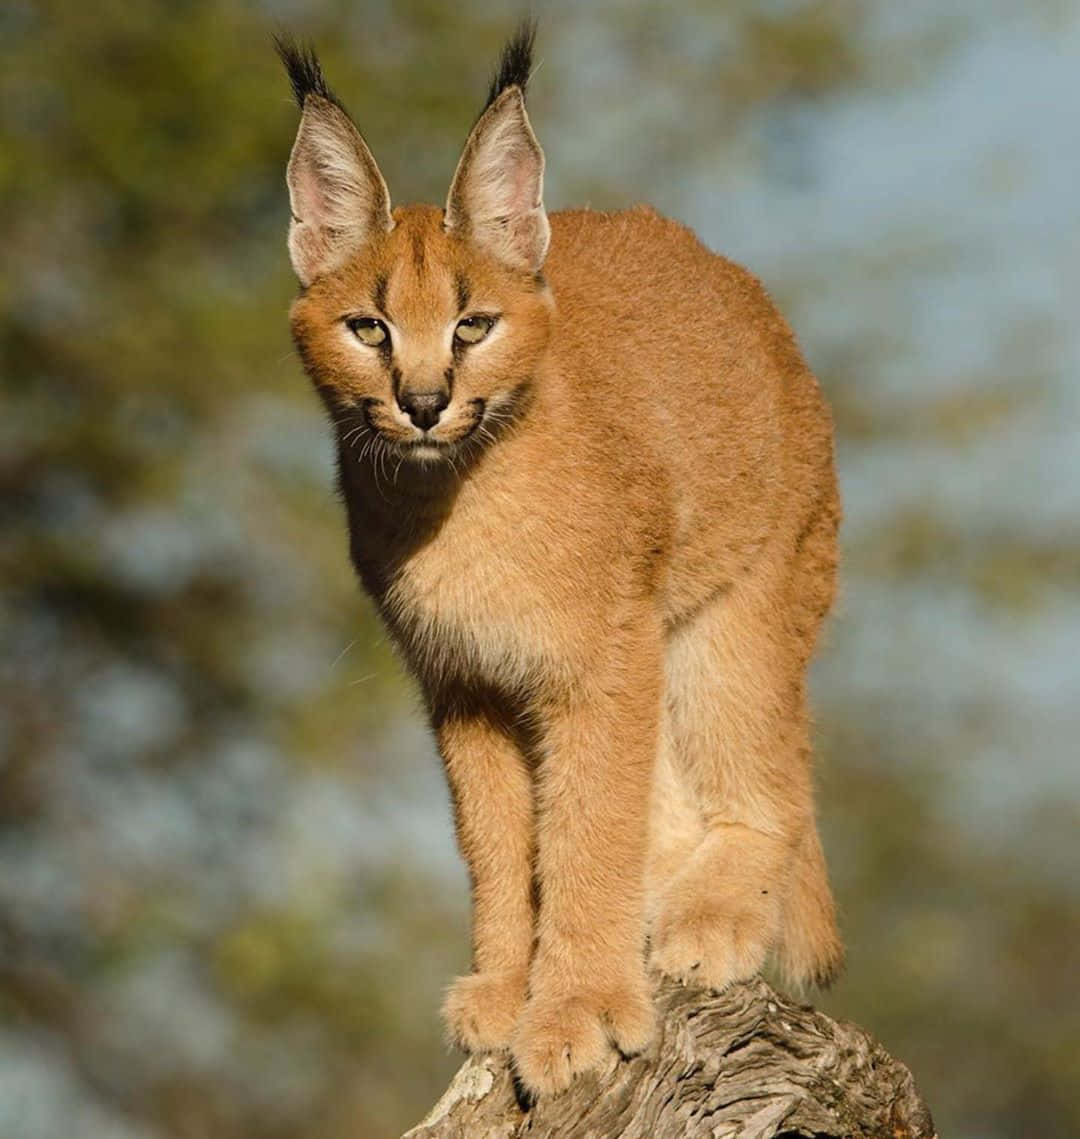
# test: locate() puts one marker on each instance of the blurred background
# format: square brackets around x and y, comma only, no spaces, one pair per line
[229,896]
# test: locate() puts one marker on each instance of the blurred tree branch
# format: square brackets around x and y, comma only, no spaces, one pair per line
[746,1063]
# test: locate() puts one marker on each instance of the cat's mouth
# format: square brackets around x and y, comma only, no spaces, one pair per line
[457,436]
[428,445]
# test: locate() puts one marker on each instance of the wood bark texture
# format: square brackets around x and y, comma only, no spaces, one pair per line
[743,1064]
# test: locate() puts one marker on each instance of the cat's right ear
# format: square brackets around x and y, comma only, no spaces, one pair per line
[496,197]
[337,196]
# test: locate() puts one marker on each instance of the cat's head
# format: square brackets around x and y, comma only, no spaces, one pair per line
[420,327]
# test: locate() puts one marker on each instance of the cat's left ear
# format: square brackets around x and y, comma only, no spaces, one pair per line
[496,197]
[337,196]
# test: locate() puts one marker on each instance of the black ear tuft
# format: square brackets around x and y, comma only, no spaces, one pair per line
[515,62]
[305,74]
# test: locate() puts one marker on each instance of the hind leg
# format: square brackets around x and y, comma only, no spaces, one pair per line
[810,950]
[736,696]
[676,826]
[721,916]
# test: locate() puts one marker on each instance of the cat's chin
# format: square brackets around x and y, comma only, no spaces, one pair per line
[427,454]
[429,450]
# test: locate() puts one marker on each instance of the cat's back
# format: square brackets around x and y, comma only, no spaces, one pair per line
[684,352]
[607,259]
[639,295]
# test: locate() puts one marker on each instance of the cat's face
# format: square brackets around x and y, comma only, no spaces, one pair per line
[421,328]
[421,343]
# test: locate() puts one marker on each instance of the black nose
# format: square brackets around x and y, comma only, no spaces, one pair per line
[424,408]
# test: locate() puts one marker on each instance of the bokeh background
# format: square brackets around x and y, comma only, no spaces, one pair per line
[229,896]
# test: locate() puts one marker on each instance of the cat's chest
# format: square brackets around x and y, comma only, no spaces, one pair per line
[487,596]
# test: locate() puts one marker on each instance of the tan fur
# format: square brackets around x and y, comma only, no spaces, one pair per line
[608,582]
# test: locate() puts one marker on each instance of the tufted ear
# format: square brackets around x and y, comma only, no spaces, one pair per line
[496,197]
[337,196]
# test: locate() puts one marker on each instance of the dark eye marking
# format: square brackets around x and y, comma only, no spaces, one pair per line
[461,283]
[382,283]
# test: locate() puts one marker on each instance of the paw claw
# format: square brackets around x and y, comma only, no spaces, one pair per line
[709,946]
[560,1037]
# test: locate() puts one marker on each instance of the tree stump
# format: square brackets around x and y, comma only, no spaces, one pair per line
[743,1064]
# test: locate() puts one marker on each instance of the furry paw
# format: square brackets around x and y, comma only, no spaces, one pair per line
[711,945]
[560,1036]
[480,1010]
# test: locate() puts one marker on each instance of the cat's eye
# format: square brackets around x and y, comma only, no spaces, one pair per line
[473,329]
[368,330]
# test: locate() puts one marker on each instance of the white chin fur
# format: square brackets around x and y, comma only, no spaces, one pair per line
[424,453]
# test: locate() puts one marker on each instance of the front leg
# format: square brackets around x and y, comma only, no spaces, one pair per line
[587,983]
[493,813]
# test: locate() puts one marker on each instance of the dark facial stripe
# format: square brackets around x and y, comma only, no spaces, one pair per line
[463,292]
[418,252]
[395,381]
[382,283]
[448,375]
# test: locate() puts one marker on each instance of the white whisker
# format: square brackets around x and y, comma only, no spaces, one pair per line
[341,655]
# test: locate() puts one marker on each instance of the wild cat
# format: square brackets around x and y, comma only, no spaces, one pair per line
[589,484]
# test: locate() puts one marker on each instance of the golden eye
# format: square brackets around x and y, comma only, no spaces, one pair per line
[368,330]
[473,329]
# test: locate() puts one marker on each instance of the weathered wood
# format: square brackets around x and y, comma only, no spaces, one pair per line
[743,1064]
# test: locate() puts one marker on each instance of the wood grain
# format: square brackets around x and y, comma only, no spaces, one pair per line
[743,1064]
